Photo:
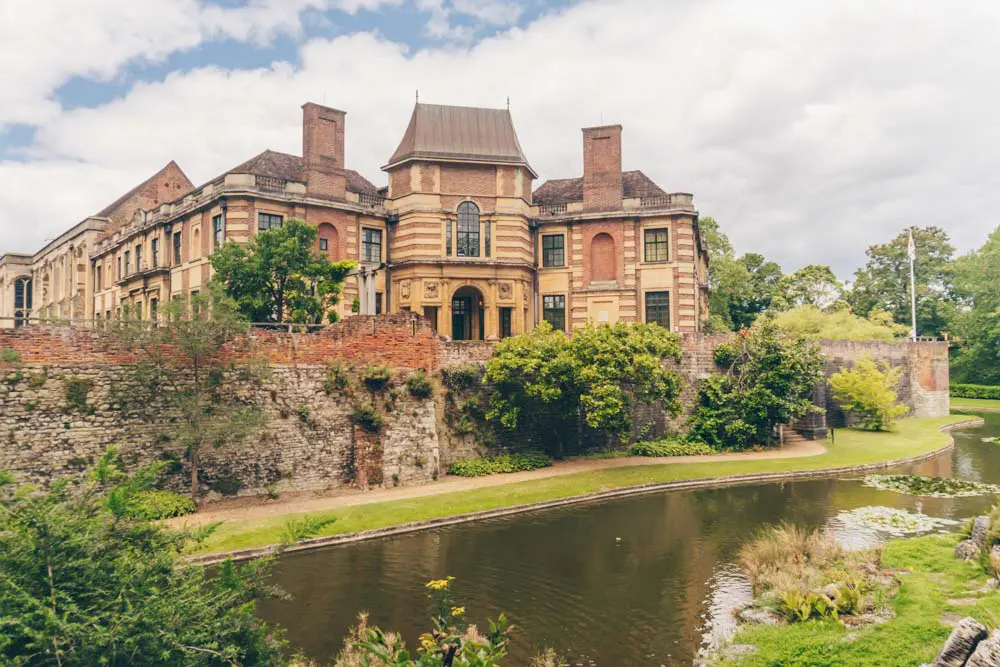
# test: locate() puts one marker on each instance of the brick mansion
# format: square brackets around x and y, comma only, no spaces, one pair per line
[460,235]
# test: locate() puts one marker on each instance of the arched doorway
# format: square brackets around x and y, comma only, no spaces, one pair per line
[468,311]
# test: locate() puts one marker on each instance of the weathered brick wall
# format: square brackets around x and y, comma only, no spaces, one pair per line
[464,352]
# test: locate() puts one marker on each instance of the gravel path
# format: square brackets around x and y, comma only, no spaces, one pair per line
[293,503]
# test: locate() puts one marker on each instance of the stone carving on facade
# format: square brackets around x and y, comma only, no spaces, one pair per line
[431,290]
[404,290]
[506,291]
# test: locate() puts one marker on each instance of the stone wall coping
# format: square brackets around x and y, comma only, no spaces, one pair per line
[684,485]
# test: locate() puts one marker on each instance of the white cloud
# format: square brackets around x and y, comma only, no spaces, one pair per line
[810,130]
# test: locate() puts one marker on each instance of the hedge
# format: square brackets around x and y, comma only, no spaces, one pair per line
[975,391]
[517,462]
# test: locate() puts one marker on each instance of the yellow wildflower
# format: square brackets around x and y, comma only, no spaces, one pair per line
[457,611]
[439,584]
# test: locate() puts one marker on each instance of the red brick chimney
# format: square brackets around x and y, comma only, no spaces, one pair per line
[602,167]
[323,151]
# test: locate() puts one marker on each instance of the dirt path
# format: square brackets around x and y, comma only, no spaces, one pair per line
[256,508]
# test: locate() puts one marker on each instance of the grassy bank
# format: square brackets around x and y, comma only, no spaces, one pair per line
[910,437]
[973,404]
[937,587]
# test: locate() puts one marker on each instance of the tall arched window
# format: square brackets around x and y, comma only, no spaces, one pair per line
[468,230]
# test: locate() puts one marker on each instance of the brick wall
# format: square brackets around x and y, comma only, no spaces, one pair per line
[602,168]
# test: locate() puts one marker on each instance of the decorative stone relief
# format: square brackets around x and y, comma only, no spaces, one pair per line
[431,290]
[404,290]
[506,291]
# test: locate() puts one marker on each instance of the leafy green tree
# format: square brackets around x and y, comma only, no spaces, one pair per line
[768,379]
[884,282]
[977,326]
[812,285]
[280,277]
[838,323]
[84,582]
[182,370]
[869,391]
[544,382]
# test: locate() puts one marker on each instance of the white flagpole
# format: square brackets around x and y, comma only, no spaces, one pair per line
[911,251]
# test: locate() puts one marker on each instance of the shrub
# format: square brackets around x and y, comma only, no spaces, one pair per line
[302,528]
[502,463]
[155,504]
[376,378]
[38,381]
[9,356]
[367,417]
[838,324]
[787,557]
[868,390]
[419,385]
[726,355]
[988,392]
[77,391]
[669,447]
[461,377]
[337,378]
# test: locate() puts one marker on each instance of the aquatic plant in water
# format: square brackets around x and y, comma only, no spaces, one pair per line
[895,522]
[933,487]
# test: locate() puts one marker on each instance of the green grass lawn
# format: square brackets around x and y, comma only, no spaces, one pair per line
[934,587]
[910,437]
[972,404]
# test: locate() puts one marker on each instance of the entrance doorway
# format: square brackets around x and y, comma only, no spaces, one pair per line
[467,320]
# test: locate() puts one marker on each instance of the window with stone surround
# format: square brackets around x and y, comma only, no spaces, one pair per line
[468,230]
[128,263]
[554,311]
[658,308]
[657,245]
[505,322]
[553,250]
[371,245]
[218,231]
[447,237]
[155,252]
[178,245]
[266,221]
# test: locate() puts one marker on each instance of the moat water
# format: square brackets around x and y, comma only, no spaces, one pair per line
[645,580]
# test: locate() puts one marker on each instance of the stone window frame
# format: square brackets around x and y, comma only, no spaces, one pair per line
[556,311]
[367,244]
[562,251]
[472,232]
[178,248]
[646,243]
[267,221]
[218,231]
[661,306]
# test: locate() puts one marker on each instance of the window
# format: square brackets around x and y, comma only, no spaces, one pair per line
[553,250]
[486,238]
[554,311]
[154,309]
[155,248]
[138,258]
[22,293]
[468,230]
[324,245]
[431,313]
[378,303]
[447,237]
[97,278]
[219,231]
[371,245]
[505,317]
[657,245]
[128,263]
[658,308]
[178,253]
[195,303]
[266,221]
[119,267]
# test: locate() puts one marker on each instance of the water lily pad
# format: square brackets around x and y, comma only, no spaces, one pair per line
[931,487]
[895,522]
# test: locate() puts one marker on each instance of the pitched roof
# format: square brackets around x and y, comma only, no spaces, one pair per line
[565,190]
[290,168]
[110,209]
[475,134]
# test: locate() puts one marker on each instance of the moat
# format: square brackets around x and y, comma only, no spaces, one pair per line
[644,580]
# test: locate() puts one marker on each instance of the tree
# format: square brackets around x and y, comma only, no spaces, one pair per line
[83,582]
[544,382]
[977,325]
[884,282]
[869,390]
[182,370]
[812,285]
[279,277]
[767,379]
[838,323]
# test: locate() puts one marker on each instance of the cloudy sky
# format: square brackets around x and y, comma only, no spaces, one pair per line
[808,129]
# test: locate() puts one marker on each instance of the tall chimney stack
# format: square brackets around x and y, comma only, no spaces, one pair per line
[323,151]
[602,168]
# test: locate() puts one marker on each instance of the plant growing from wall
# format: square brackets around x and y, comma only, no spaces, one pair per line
[376,378]
[419,385]
[552,384]
[869,391]
[367,417]
[181,371]
[280,276]
[10,356]
[88,580]
[76,393]
[769,381]
[337,378]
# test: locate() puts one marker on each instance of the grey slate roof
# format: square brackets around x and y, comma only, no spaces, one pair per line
[290,167]
[473,134]
[565,190]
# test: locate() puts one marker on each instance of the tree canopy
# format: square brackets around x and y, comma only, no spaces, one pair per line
[280,276]
[838,323]
[977,325]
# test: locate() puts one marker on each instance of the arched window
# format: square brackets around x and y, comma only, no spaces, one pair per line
[602,258]
[468,230]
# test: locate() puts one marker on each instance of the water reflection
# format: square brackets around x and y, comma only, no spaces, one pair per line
[565,579]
